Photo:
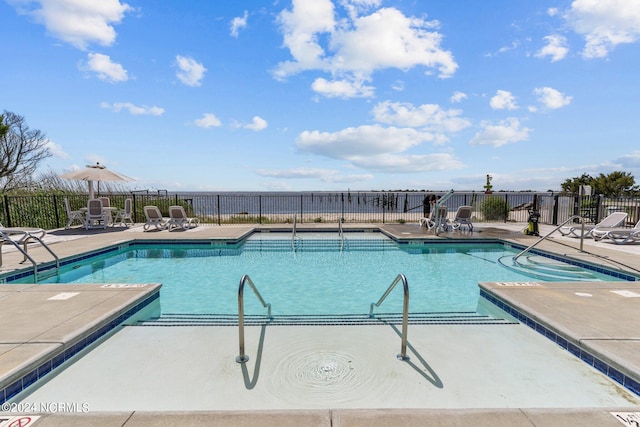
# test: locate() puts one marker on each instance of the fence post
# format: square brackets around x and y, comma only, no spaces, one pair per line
[598,204]
[6,208]
[554,219]
[55,209]
[301,209]
[259,208]
[218,203]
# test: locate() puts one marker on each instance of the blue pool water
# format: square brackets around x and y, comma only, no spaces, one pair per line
[305,276]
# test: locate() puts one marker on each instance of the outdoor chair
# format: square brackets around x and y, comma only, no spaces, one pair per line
[96,215]
[19,236]
[178,219]
[72,215]
[154,218]
[437,218]
[462,218]
[612,220]
[619,236]
[124,215]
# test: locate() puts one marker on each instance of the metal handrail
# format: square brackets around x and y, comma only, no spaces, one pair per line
[27,236]
[340,233]
[242,357]
[553,231]
[405,312]
[293,233]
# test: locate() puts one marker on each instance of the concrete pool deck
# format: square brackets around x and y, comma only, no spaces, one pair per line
[591,320]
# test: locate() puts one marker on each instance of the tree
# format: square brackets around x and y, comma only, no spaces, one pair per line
[613,185]
[21,151]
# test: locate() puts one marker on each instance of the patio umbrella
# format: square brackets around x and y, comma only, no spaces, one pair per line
[93,173]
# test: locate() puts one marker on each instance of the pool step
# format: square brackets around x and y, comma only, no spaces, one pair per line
[450,318]
[318,245]
[547,269]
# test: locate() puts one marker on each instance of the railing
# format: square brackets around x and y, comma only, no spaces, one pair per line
[340,233]
[405,312]
[242,357]
[293,233]
[48,211]
[26,237]
[515,258]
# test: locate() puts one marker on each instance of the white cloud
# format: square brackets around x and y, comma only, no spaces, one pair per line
[556,48]
[208,120]
[106,69]
[426,116]
[504,132]
[360,141]
[604,24]
[552,98]
[56,150]
[630,161]
[76,22]
[325,175]
[353,49]
[503,100]
[458,97]
[257,124]
[394,163]
[190,72]
[342,88]
[135,110]
[238,22]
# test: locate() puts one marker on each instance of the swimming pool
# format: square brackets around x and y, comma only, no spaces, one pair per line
[315,273]
[484,365]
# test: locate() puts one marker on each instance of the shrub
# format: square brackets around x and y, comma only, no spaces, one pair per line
[494,208]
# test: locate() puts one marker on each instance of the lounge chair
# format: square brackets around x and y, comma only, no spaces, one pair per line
[612,220]
[462,218]
[178,219]
[124,215]
[619,235]
[96,216]
[438,217]
[154,218]
[19,236]
[72,215]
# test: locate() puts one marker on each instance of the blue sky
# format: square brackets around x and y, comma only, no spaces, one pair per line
[315,95]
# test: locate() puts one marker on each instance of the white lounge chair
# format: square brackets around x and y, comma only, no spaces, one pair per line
[124,215]
[438,217]
[612,220]
[178,219]
[72,215]
[154,218]
[619,235]
[462,218]
[96,216]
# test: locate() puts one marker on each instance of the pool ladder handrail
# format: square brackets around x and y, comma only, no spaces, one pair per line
[405,312]
[515,258]
[341,233]
[4,238]
[294,235]
[242,357]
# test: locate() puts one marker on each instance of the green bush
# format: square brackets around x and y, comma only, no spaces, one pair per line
[494,208]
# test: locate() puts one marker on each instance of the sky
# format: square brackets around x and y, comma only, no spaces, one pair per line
[312,95]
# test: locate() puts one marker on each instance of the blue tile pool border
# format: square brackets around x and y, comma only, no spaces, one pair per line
[608,370]
[21,384]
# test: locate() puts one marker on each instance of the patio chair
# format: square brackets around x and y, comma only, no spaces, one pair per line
[178,219]
[154,218]
[124,215]
[96,215]
[619,236]
[72,215]
[437,218]
[462,218]
[612,220]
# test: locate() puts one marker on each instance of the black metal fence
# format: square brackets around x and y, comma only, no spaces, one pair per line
[48,211]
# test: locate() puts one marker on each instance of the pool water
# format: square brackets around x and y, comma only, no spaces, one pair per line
[306,275]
